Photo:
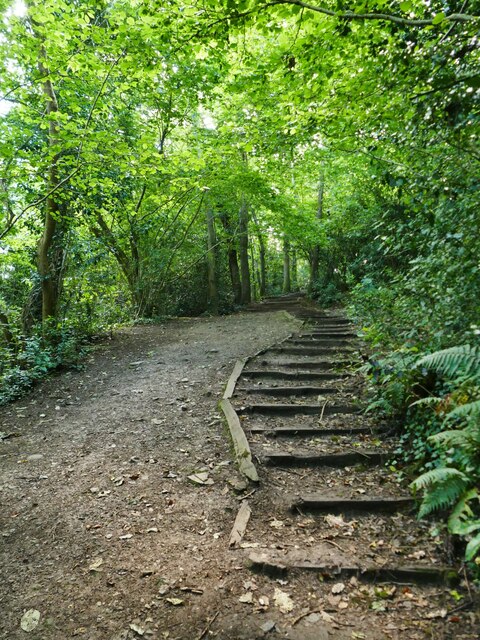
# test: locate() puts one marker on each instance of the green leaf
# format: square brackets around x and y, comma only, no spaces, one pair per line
[440,17]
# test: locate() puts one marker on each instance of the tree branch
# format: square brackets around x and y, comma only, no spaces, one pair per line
[351,15]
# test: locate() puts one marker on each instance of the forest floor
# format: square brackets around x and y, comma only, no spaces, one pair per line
[103,532]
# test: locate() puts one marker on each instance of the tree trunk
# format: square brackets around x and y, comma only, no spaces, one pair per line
[315,251]
[232,259]
[246,295]
[50,276]
[294,271]
[263,268]
[287,284]
[211,262]
[262,280]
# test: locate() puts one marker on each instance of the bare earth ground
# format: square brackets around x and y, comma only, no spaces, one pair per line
[105,535]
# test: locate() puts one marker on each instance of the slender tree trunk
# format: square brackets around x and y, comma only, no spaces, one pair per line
[232,259]
[211,262]
[253,269]
[315,252]
[246,296]
[287,284]
[294,270]
[262,281]
[263,268]
[49,275]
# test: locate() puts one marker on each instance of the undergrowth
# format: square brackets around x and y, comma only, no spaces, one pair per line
[435,392]
[31,358]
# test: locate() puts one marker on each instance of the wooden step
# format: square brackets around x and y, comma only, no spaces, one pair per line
[319,503]
[327,333]
[275,374]
[289,391]
[319,342]
[310,351]
[313,431]
[278,565]
[299,409]
[344,459]
[311,364]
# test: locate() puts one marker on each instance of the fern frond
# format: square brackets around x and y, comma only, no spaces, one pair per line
[440,475]
[473,547]
[470,409]
[459,359]
[441,496]
[460,521]
[427,401]
[453,437]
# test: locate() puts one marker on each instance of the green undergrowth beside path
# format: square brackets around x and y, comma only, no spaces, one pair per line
[429,381]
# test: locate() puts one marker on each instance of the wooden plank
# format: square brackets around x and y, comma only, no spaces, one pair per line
[232,381]
[309,365]
[289,391]
[299,409]
[310,351]
[240,524]
[339,460]
[240,442]
[276,374]
[319,342]
[420,574]
[318,502]
[313,431]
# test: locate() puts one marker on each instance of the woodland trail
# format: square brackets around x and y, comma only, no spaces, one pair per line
[119,494]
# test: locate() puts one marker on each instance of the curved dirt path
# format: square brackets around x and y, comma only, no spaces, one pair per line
[100,527]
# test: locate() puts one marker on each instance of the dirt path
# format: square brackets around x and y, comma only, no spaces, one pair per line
[106,536]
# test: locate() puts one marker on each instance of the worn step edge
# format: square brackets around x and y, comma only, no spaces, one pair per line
[317,502]
[288,391]
[261,563]
[315,431]
[299,409]
[234,376]
[344,459]
[333,343]
[293,375]
[243,453]
[311,351]
[306,366]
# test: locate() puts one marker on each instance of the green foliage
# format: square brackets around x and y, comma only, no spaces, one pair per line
[454,483]
[48,349]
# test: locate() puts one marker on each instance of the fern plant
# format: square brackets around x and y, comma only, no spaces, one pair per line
[455,482]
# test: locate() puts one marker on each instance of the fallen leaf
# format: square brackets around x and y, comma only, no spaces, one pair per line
[246,598]
[176,602]
[283,601]
[263,601]
[276,524]
[127,536]
[201,478]
[140,631]
[338,588]
[96,564]
[30,620]
[439,613]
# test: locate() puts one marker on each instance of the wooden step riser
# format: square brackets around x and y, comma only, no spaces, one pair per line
[287,375]
[391,574]
[309,342]
[335,460]
[313,365]
[353,507]
[324,335]
[298,410]
[289,391]
[313,351]
[313,432]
